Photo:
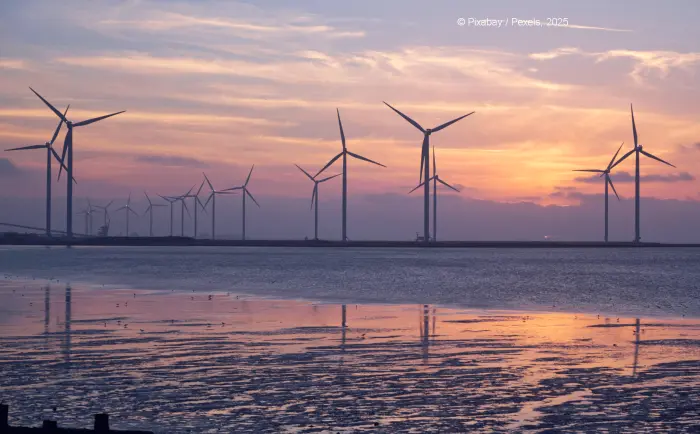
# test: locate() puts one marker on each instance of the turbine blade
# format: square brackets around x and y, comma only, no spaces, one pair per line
[58,128]
[446,184]
[634,127]
[148,199]
[58,159]
[132,211]
[121,208]
[128,201]
[247,180]
[342,134]
[447,124]
[422,158]
[231,189]
[24,148]
[360,157]
[434,164]
[210,196]
[623,158]
[615,156]
[200,189]
[89,121]
[251,196]
[416,188]
[589,170]
[184,204]
[305,172]
[333,160]
[189,191]
[656,158]
[613,187]
[411,121]
[208,182]
[147,209]
[109,204]
[48,104]
[313,195]
[66,143]
[329,178]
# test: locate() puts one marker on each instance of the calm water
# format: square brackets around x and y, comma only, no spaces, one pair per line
[178,362]
[346,340]
[613,281]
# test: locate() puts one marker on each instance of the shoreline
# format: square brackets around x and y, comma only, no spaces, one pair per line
[36,240]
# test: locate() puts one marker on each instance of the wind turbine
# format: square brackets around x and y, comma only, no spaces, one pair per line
[637,150]
[314,196]
[196,202]
[245,190]
[212,198]
[127,209]
[424,164]
[183,207]
[105,211]
[151,205]
[49,153]
[171,201]
[344,153]
[435,178]
[606,174]
[68,148]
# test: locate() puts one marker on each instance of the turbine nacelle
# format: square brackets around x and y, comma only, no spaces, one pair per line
[428,132]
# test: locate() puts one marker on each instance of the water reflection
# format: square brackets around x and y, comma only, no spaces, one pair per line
[636,346]
[67,329]
[282,364]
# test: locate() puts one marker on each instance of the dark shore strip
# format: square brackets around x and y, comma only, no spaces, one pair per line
[35,240]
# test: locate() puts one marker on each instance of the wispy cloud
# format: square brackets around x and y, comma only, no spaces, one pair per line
[13,64]
[644,61]
[626,177]
[172,161]
[605,29]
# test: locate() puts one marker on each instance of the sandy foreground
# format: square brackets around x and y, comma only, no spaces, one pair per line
[221,362]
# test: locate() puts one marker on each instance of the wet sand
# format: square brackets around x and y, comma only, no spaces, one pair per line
[173,361]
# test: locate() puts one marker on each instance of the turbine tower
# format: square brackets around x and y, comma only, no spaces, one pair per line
[212,198]
[606,174]
[183,208]
[344,153]
[68,147]
[246,192]
[49,153]
[435,178]
[196,202]
[127,209]
[151,205]
[171,201]
[637,150]
[424,164]
[314,196]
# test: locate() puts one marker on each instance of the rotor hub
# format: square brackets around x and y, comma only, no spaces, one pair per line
[428,132]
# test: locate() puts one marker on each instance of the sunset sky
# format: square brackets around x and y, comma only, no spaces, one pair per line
[217,86]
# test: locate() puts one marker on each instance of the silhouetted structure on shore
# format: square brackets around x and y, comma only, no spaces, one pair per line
[51,426]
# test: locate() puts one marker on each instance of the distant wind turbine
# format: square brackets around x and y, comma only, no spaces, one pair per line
[183,208]
[344,153]
[171,201]
[606,174]
[425,164]
[435,178]
[197,203]
[212,198]
[49,153]
[105,210]
[68,147]
[151,205]
[127,209]
[314,196]
[246,192]
[637,150]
